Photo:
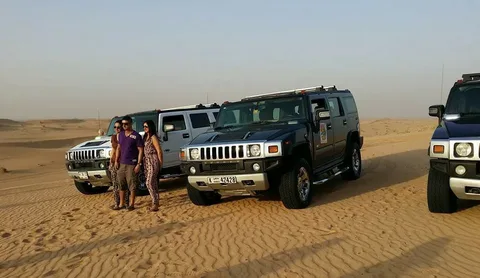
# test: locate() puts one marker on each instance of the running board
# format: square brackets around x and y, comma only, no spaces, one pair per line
[331,176]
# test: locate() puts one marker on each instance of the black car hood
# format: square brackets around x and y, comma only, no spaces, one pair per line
[466,126]
[246,133]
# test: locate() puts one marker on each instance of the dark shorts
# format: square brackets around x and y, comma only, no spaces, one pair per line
[127,179]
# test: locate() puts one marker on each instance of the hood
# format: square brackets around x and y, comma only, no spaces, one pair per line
[466,126]
[98,142]
[245,134]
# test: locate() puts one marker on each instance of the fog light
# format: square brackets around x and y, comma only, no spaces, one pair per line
[460,170]
[193,170]
[256,167]
[102,166]
[69,166]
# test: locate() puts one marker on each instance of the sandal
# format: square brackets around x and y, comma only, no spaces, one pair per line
[130,208]
[153,208]
[116,207]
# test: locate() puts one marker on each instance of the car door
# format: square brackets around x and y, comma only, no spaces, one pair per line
[348,102]
[323,138]
[340,127]
[173,140]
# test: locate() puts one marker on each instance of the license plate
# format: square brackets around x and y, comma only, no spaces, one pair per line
[230,179]
[83,175]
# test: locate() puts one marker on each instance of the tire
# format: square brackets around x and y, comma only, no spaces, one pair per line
[440,197]
[87,189]
[353,161]
[202,198]
[289,185]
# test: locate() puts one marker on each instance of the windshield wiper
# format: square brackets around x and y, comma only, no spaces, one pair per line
[224,127]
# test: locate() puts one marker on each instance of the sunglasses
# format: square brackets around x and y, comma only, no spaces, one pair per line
[117,127]
[145,126]
[125,124]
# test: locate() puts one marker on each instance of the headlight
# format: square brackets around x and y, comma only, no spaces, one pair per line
[66,156]
[254,150]
[194,154]
[463,149]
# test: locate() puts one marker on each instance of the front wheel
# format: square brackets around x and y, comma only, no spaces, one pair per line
[353,161]
[296,185]
[87,189]
[440,197]
[202,198]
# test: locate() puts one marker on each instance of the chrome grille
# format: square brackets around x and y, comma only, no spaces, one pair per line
[223,152]
[84,155]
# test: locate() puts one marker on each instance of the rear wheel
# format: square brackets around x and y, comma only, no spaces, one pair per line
[353,161]
[202,198]
[296,185]
[440,197]
[87,189]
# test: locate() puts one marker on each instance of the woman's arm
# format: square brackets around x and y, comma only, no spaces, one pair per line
[158,148]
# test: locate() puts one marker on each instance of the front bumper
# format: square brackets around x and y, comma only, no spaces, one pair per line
[95,177]
[244,182]
[464,188]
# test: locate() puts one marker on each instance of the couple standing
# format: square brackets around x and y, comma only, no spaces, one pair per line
[129,151]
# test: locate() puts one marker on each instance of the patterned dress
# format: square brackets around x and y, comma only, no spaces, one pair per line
[152,168]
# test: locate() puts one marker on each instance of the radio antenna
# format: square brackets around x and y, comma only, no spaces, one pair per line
[441,87]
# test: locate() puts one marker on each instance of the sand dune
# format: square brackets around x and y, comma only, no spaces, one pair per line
[377,226]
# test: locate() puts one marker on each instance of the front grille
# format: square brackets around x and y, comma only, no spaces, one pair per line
[223,152]
[84,155]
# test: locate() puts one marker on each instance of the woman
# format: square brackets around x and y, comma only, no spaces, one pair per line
[153,161]
[116,187]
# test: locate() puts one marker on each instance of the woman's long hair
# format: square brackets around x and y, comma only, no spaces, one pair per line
[152,130]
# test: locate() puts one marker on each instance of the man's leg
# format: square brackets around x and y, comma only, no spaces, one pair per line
[122,176]
[132,180]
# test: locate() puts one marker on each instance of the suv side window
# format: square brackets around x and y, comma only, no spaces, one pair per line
[199,120]
[350,105]
[335,108]
[178,121]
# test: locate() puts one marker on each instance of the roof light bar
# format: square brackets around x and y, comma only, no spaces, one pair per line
[471,76]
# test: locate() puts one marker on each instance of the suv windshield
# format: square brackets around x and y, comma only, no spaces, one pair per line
[464,100]
[275,110]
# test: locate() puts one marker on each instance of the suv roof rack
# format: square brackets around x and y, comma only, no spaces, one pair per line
[470,76]
[308,90]
[193,106]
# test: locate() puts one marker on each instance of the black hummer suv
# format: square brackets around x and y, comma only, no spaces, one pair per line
[455,147]
[284,141]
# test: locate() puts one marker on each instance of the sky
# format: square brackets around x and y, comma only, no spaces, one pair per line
[70,59]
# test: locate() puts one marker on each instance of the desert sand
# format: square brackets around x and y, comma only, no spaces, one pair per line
[377,226]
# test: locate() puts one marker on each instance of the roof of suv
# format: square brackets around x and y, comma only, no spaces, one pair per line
[177,109]
[298,92]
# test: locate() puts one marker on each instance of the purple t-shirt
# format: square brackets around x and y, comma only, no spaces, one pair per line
[129,147]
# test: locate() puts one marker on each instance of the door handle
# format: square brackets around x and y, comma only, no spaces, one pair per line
[167,150]
[344,122]
[186,135]
[329,126]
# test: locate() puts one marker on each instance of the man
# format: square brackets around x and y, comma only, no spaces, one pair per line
[128,161]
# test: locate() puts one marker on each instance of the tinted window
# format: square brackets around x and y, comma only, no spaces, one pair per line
[140,119]
[319,103]
[200,120]
[178,121]
[215,114]
[350,105]
[335,109]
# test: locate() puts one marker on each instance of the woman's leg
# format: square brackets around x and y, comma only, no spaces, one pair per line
[150,174]
[116,189]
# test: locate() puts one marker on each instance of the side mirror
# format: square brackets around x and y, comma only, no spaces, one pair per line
[321,114]
[167,128]
[437,111]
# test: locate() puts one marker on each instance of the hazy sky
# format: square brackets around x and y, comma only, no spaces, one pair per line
[65,59]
